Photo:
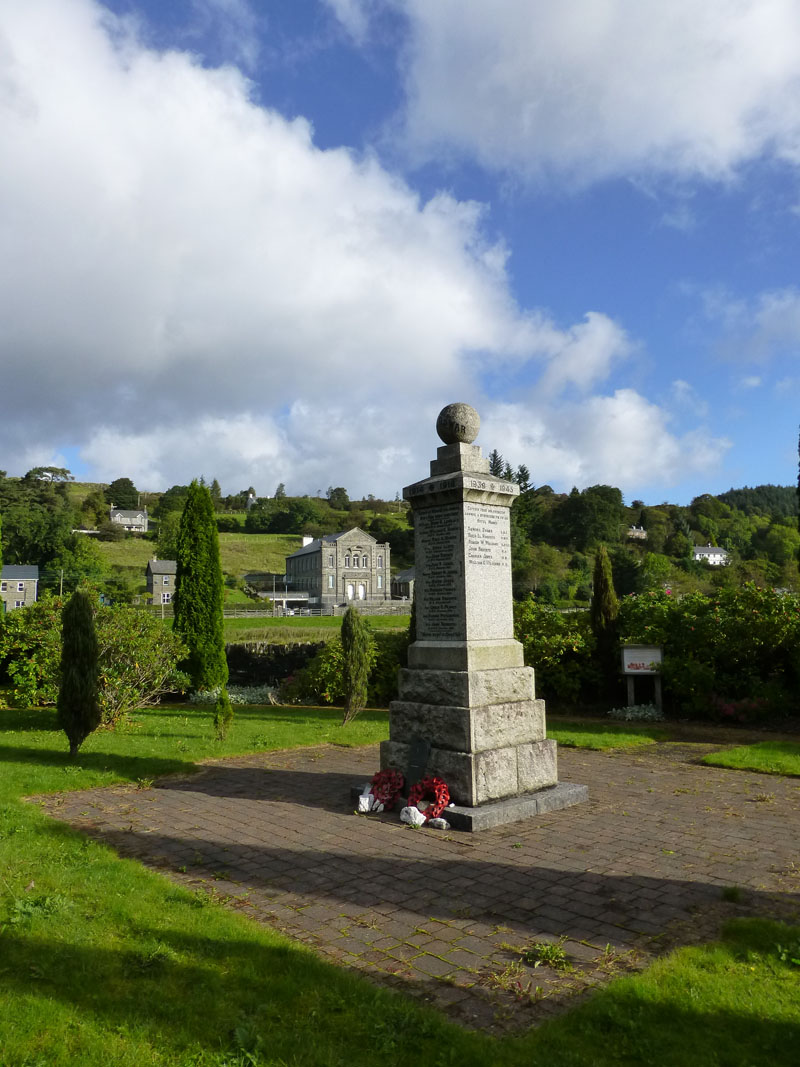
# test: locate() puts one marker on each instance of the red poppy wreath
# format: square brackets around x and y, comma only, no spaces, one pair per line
[433,789]
[386,787]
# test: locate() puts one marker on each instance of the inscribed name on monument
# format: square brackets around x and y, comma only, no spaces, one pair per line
[440,609]
[488,571]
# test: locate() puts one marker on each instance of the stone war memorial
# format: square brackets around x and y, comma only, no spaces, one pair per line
[467,710]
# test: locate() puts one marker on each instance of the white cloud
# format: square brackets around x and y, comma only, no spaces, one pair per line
[189,285]
[622,439]
[353,15]
[750,381]
[758,329]
[594,90]
[685,396]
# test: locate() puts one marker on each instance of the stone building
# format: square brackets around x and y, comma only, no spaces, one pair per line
[339,568]
[161,580]
[19,586]
[403,584]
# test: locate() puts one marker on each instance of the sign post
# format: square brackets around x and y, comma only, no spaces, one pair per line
[642,659]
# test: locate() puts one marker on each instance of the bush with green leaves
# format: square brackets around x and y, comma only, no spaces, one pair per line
[30,652]
[732,656]
[323,680]
[139,660]
[138,657]
[559,646]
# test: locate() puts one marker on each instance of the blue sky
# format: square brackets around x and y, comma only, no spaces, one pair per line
[267,240]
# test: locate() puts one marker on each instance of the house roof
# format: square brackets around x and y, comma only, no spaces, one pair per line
[407,575]
[19,574]
[312,546]
[708,550]
[162,566]
[140,513]
[316,544]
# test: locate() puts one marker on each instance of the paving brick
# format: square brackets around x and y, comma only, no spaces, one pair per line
[422,911]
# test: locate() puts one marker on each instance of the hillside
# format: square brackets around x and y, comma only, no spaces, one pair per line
[240,553]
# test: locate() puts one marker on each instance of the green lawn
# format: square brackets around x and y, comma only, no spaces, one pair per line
[601,735]
[293,629]
[103,962]
[767,757]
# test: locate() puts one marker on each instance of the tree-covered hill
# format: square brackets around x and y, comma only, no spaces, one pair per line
[775,500]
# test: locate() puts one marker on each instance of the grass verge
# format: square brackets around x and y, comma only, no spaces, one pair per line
[295,629]
[602,735]
[765,757]
[103,961]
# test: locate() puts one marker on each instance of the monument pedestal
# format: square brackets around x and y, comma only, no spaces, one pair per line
[466,699]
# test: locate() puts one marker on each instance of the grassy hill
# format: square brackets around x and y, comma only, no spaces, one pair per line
[240,553]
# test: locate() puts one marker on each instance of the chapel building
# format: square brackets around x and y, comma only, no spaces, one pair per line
[341,568]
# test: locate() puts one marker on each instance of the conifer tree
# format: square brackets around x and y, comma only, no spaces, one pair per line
[199,591]
[523,478]
[603,614]
[496,464]
[356,645]
[77,705]
[605,605]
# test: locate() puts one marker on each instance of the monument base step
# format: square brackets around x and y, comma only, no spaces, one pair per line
[514,809]
[501,812]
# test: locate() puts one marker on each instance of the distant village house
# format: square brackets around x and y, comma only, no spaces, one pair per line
[19,586]
[161,580]
[132,521]
[403,585]
[712,554]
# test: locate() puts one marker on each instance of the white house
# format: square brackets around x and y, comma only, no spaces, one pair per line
[712,554]
[133,521]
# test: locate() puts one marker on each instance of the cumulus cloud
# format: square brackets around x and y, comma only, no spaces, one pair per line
[622,439]
[189,285]
[596,90]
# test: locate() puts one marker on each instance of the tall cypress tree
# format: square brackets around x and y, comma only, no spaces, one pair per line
[199,591]
[603,614]
[78,708]
[605,605]
[356,643]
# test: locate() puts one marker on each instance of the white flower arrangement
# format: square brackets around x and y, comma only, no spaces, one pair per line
[637,713]
[238,694]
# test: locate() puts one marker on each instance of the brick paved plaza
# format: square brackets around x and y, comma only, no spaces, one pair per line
[639,868]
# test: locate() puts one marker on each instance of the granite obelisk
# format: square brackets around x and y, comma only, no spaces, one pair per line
[466,698]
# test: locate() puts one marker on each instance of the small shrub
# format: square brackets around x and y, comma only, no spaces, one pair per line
[637,713]
[237,695]
[223,715]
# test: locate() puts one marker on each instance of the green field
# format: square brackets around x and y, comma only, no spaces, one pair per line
[294,629]
[103,962]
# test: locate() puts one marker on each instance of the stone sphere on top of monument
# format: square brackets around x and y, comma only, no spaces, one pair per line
[458,424]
